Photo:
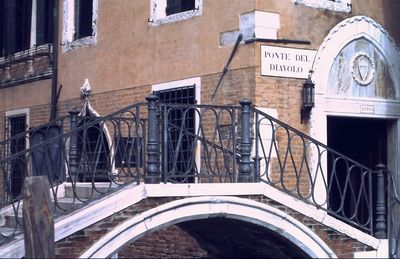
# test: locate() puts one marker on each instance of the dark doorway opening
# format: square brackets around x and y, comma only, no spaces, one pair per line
[365,141]
[47,160]
[95,153]
[362,139]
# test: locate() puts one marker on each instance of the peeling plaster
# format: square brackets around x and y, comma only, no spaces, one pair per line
[337,5]
[158,15]
[256,24]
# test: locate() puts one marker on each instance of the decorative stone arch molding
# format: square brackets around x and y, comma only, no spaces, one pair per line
[347,31]
[204,207]
[344,33]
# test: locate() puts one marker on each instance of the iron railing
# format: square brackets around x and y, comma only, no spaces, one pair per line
[311,171]
[393,215]
[184,143]
[104,152]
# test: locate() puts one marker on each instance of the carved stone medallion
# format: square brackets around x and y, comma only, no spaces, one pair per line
[362,69]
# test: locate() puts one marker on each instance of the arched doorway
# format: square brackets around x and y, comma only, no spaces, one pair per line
[94,145]
[357,76]
[285,233]
[357,108]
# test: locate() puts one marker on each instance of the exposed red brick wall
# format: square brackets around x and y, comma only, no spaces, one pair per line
[342,245]
[171,242]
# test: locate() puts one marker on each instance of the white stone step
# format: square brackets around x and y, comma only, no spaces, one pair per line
[88,190]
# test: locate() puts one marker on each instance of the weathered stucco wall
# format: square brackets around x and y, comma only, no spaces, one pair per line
[132,54]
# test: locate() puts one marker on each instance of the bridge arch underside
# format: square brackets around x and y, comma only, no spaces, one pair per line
[223,227]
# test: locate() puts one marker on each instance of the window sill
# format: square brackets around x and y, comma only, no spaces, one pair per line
[69,46]
[26,66]
[25,55]
[342,6]
[156,21]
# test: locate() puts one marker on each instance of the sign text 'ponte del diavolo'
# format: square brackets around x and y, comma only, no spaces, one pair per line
[286,62]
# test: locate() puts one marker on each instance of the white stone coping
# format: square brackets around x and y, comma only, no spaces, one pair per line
[132,194]
[210,206]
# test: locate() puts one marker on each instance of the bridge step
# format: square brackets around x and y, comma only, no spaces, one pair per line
[7,231]
[83,192]
[88,190]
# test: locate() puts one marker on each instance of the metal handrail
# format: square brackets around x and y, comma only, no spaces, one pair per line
[185,143]
[311,171]
[101,144]
[393,215]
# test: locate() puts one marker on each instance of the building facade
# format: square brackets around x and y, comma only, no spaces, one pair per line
[116,53]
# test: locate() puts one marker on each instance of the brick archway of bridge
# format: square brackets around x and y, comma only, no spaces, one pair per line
[135,211]
[298,236]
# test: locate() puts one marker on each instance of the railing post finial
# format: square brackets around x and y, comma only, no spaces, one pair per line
[380,226]
[153,154]
[245,170]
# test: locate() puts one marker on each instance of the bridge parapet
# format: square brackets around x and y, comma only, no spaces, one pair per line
[196,145]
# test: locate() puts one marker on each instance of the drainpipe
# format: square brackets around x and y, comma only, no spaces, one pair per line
[53,109]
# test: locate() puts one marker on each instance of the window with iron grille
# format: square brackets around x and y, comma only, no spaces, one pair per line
[15,125]
[181,129]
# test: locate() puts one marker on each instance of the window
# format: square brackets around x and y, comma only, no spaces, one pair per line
[167,11]
[183,152]
[79,24]
[181,129]
[83,18]
[44,21]
[333,5]
[16,124]
[179,6]
[15,25]
[24,24]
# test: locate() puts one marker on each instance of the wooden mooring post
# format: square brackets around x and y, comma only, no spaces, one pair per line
[38,218]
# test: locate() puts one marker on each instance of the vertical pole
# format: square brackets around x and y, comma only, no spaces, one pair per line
[38,218]
[54,64]
[256,158]
[245,170]
[153,155]
[381,216]
[164,147]
[138,144]
[73,147]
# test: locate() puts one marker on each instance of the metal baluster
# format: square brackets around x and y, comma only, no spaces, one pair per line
[73,147]
[380,226]
[245,171]
[153,154]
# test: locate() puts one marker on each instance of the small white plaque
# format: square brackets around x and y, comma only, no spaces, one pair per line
[370,109]
[286,62]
